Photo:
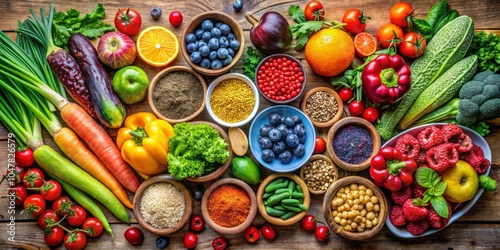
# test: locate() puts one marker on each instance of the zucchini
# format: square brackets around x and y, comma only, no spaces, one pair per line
[447,47]
[441,90]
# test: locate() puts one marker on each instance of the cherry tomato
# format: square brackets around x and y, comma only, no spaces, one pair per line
[370,114]
[252,234]
[413,45]
[355,21]
[47,217]
[309,222]
[134,235]
[190,240]
[322,233]
[62,206]
[356,108]
[345,94]
[197,224]
[385,35]
[94,226]
[33,178]
[21,193]
[24,157]
[75,241]
[51,190]
[54,236]
[34,205]
[128,21]
[220,243]
[400,13]
[175,18]
[319,145]
[268,232]
[78,216]
[15,174]
[314,11]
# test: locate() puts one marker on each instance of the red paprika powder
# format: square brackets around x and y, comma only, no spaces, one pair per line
[228,205]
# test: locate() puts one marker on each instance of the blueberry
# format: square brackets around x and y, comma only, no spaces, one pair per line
[213,43]
[231,36]
[216,64]
[198,33]
[195,57]
[190,38]
[224,29]
[292,140]
[215,32]
[265,142]
[226,61]
[267,155]
[155,13]
[288,121]
[274,135]
[237,5]
[212,55]
[205,63]
[206,36]
[234,44]
[222,53]
[296,119]
[299,150]
[218,24]
[278,147]
[283,130]
[290,131]
[204,50]
[299,129]
[162,242]
[285,157]
[223,42]
[264,129]
[230,52]
[200,43]
[191,47]
[207,25]
[274,120]
[302,138]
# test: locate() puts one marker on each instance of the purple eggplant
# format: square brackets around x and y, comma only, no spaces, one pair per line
[272,34]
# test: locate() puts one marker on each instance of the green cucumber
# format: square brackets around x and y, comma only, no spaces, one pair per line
[245,169]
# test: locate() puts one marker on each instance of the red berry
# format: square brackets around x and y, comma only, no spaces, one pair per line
[396,216]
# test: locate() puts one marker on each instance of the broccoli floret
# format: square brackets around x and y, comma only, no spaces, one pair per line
[490,108]
[491,91]
[478,99]
[488,183]
[482,75]
[468,108]
[466,120]
[470,89]
[492,80]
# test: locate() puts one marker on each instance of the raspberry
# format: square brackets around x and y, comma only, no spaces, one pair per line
[396,216]
[437,221]
[402,195]
[421,157]
[417,228]
[430,137]
[417,190]
[475,157]
[442,156]
[464,143]
[408,145]
[451,132]
[414,210]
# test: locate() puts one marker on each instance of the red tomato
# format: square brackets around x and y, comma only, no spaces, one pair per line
[24,157]
[345,94]
[33,178]
[314,11]
[175,18]
[356,108]
[94,226]
[21,193]
[197,223]
[62,205]
[252,234]
[355,21]
[370,114]
[400,13]
[75,241]
[47,217]
[309,222]
[78,216]
[190,240]
[128,21]
[34,205]
[319,145]
[51,190]
[220,243]
[385,35]
[322,233]
[413,45]
[54,236]
[134,235]
[268,232]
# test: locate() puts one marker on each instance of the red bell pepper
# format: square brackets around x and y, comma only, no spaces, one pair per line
[386,79]
[392,169]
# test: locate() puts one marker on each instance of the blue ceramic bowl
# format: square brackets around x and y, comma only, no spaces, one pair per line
[263,118]
[459,209]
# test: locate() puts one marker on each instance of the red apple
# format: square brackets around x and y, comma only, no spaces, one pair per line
[116,50]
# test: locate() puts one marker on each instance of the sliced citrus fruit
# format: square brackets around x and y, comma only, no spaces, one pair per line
[365,44]
[157,46]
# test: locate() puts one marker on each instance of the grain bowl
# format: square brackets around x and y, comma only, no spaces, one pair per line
[319,173]
[323,106]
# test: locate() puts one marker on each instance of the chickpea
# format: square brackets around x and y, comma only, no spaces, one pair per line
[347,190]
[349,197]
[369,192]
[356,201]
[369,206]
[351,214]
[367,199]
[364,212]
[337,219]
[358,219]
[340,209]
[375,221]
[339,194]
[368,224]
[362,187]
[362,193]
[343,222]
[348,228]
[350,203]
[337,202]
[355,207]
[362,226]
[374,199]
[345,215]
[355,194]
[370,215]
[346,206]
[353,186]
[343,196]
[334,213]
[363,219]
[376,208]
[354,225]
[360,229]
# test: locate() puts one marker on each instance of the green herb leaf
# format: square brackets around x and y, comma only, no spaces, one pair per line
[427,177]
[297,14]
[439,204]
[303,31]
[440,188]
[250,62]
[487,47]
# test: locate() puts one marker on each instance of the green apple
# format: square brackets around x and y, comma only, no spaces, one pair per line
[131,84]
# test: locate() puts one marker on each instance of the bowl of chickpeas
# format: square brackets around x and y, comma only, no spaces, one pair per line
[355,208]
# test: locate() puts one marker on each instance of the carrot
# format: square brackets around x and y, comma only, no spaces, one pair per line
[100,143]
[73,148]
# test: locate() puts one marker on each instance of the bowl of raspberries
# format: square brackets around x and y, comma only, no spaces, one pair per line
[432,175]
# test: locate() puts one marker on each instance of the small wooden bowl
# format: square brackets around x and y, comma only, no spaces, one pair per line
[276,220]
[220,170]
[330,194]
[195,23]
[229,230]
[337,115]
[319,157]
[163,178]
[157,78]
[358,122]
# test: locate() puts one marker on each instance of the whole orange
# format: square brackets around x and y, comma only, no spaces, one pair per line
[329,52]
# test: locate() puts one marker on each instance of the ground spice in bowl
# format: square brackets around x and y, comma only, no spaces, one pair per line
[162,205]
[228,205]
[353,144]
[321,106]
[232,100]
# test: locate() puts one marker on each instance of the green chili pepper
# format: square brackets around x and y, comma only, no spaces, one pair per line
[287,215]
[423,28]
[446,18]
[437,10]
[274,212]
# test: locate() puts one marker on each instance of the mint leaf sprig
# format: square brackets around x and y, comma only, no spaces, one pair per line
[429,179]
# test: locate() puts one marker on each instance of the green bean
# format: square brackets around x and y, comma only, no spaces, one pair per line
[282,190]
[298,188]
[267,195]
[287,215]
[279,207]
[274,212]
[297,195]
[303,207]
[292,208]
[276,181]
[290,202]
[277,198]
[274,187]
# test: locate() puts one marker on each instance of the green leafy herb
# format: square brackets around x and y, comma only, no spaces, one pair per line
[297,14]
[303,31]
[250,62]
[430,179]
[90,25]
[487,48]
[427,177]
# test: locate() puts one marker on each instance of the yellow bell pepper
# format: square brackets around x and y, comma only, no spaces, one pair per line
[143,142]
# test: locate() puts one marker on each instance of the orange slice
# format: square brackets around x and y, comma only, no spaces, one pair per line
[365,44]
[157,46]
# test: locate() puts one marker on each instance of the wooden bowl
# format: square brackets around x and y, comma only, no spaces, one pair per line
[163,178]
[220,170]
[337,115]
[276,220]
[157,78]
[330,194]
[195,23]
[314,158]
[229,230]
[358,122]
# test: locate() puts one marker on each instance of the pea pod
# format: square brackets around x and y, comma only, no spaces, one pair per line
[446,18]
[437,10]
[274,212]
[423,28]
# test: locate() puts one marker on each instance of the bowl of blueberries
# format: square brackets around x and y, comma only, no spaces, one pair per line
[212,43]
[282,138]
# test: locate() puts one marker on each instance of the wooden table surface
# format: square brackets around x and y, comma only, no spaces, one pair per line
[478,229]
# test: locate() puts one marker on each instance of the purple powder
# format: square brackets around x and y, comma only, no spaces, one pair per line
[353,144]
